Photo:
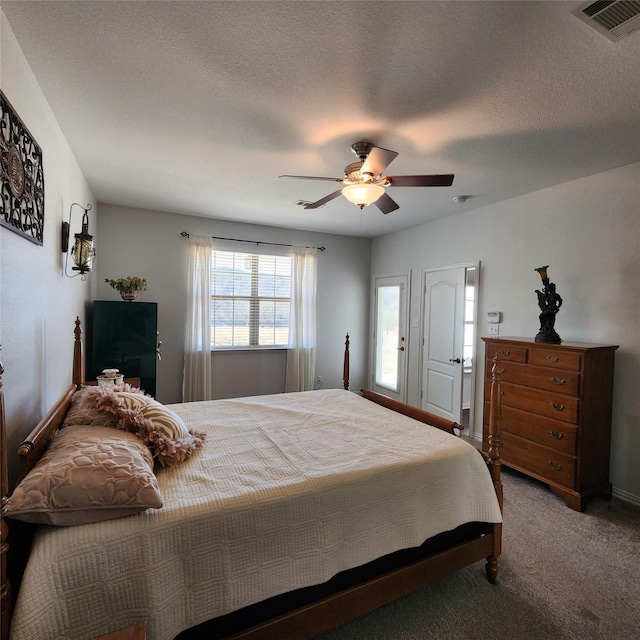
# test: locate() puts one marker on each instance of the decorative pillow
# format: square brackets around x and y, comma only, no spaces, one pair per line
[162,429]
[83,407]
[83,411]
[88,474]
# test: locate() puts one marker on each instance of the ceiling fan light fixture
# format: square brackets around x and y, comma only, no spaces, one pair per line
[362,194]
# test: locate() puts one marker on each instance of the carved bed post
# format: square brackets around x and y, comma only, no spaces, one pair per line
[494,462]
[78,363]
[5,585]
[345,370]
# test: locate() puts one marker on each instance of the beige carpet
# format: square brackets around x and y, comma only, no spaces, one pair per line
[563,576]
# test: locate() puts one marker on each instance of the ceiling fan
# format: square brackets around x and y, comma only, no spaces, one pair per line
[364,184]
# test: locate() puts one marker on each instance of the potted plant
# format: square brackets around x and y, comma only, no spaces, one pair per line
[128,287]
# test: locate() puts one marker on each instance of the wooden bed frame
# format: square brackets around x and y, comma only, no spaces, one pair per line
[321,612]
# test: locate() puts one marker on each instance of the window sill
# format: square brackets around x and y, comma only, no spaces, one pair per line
[247,349]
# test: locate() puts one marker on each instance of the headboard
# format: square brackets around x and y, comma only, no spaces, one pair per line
[38,440]
[5,585]
[30,452]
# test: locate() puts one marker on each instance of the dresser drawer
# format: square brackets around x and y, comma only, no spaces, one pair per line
[557,406]
[539,377]
[541,461]
[512,353]
[557,435]
[555,358]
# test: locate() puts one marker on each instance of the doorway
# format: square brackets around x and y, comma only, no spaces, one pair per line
[449,318]
[389,339]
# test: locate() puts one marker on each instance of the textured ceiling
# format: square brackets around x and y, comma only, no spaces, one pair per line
[198,107]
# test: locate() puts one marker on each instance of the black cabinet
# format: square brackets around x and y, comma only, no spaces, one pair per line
[124,336]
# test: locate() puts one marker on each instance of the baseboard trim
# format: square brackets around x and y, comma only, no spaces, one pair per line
[625,496]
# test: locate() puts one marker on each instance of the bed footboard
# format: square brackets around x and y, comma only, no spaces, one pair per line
[495,467]
[412,412]
[492,456]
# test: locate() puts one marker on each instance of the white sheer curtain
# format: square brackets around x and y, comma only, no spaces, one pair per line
[196,383]
[301,352]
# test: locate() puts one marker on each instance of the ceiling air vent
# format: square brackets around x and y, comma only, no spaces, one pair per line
[614,19]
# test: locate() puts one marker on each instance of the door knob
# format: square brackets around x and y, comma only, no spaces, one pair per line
[456,360]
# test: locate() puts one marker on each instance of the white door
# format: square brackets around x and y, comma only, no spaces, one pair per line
[389,342]
[443,330]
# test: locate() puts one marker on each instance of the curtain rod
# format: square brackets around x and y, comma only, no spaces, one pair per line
[185,234]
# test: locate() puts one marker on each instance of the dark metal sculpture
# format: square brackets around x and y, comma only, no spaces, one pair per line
[549,302]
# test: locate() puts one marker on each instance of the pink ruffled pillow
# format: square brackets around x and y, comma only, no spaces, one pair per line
[83,407]
[163,430]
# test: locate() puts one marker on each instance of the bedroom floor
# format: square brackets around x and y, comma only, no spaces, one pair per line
[563,575]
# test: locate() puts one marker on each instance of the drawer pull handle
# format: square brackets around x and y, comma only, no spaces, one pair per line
[557,407]
[558,381]
[553,465]
[552,358]
[556,435]
[505,352]
[502,370]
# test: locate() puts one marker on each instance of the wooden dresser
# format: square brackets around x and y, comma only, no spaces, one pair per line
[555,413]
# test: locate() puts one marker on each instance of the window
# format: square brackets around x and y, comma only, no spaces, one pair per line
[251,300]
[469,317]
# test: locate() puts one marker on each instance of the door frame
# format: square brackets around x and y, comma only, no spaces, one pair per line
[472,391]
[402,395]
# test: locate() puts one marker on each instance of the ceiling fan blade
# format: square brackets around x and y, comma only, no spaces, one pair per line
[386,203]
[312,178]
[377,161]
[319,203]
[443,180]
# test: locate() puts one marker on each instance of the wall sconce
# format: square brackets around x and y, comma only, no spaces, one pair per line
[83,251]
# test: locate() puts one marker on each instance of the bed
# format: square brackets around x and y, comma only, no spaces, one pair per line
[293,514]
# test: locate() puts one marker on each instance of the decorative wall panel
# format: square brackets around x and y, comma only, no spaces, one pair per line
[22,193]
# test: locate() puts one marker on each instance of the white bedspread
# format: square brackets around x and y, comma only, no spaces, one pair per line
[289,490]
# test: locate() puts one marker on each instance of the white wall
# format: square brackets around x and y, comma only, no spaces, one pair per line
[38,305]
[148,244]
[588,231]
